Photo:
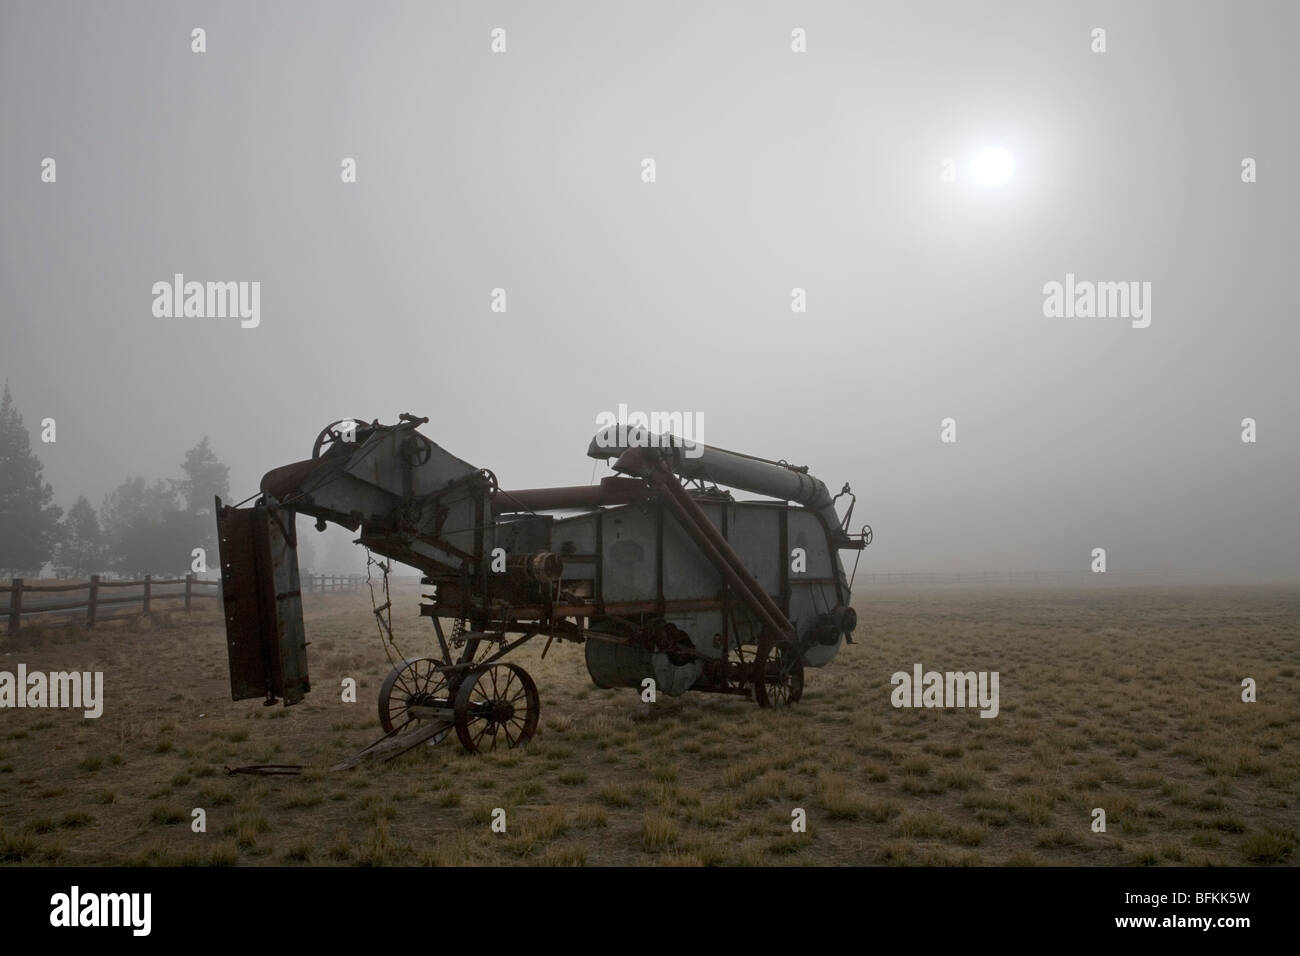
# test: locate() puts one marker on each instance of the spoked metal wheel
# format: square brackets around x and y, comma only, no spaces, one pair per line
[496,706]
[410,684]
[779,674]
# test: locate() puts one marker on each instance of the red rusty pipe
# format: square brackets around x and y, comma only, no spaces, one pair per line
[610,491]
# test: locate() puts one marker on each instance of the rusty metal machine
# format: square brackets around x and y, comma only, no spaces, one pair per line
[659,572]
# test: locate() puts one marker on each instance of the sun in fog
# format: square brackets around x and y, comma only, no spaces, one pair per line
[992,167]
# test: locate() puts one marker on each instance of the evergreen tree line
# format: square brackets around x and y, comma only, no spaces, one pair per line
[140,527]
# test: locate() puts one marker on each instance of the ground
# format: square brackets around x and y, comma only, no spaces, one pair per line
[1110,698]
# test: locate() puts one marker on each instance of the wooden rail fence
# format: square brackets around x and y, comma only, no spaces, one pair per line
[21,593]
[315,583]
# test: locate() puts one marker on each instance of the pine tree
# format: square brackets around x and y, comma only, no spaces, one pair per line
[132,518]
[29,521]
[205,477]
[132,500]
[81,552]
[153,528]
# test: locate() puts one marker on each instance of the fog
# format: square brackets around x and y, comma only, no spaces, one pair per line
[774,171]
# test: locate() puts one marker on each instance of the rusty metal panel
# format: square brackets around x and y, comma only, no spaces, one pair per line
[813,592]
[574,535]
[265,639]
[688,573]
[237,537]
[458,523]
[807,532]
[622,665]
[701,626]
[630,552]
[754,531]
[577,536]
[524,534]
[290,634]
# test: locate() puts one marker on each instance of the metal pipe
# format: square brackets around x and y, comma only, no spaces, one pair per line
[699,461]
[610,491]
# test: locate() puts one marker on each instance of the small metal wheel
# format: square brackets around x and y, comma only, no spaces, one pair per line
[411,684]
[779,674]
[496,705]
[330,435]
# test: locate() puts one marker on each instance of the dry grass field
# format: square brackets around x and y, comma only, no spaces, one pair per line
[1121,699]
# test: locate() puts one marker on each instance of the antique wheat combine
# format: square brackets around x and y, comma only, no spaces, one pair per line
[658,572]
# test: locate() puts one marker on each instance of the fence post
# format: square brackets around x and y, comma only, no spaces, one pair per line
[90,602]
[148,591]
[189,589]
[16,606]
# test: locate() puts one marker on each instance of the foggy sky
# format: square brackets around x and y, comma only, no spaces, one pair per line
[775,170]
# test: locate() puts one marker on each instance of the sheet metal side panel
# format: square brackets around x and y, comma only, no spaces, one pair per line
[629,567]
[755,534]
[688,573]
[291,637]
[237,547]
